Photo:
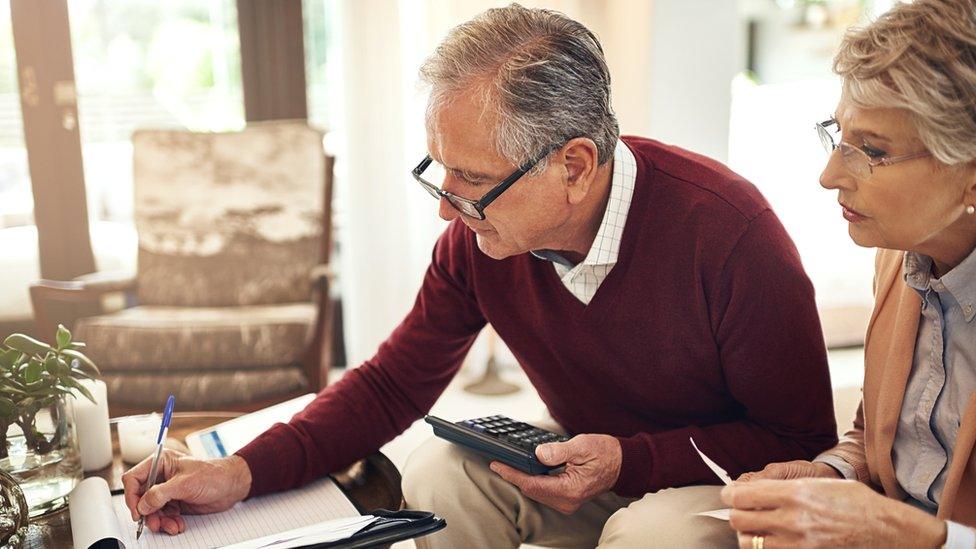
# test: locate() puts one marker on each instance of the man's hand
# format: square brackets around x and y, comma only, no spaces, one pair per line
[592,467]
[826,513]
[184,485]
[789,470]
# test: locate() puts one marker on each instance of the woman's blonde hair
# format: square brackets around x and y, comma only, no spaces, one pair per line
[919,56]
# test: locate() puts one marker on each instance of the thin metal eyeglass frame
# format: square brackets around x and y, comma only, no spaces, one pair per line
[846,149]
[483,202]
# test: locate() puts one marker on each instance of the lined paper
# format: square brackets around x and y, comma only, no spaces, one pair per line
[255,518]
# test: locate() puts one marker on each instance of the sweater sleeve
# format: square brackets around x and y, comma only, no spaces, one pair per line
[767,330]
[372,404]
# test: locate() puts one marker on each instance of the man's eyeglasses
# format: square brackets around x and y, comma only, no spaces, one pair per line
[860,163]
[468,207]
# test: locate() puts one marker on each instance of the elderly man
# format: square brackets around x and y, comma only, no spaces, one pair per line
[650,294]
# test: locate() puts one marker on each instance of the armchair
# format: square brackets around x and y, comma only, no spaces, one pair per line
[229,307]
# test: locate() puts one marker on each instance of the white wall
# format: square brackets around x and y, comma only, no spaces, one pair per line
[697,47]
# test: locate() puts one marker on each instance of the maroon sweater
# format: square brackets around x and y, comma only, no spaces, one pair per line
[705,328]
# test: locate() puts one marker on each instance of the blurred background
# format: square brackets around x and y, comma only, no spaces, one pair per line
[742,81]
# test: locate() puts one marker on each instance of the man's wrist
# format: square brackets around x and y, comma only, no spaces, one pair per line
[618,460]
[826,470]
[241,475]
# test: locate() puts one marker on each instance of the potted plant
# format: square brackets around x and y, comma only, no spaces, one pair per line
[38,445]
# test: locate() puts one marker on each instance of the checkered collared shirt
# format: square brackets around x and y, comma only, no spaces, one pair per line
[584,279]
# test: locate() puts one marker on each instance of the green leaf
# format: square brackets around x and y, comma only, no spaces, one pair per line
[13,390]
[63,337]
[77,345]
[37,388]
[63,368]
[85,363]
[51,364]
[81,388]
[27,344]
[9,357]
[32,372]
[6,407]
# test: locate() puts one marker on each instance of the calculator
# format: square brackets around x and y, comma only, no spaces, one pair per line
[499,438]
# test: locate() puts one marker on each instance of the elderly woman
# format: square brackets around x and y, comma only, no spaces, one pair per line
[903,163]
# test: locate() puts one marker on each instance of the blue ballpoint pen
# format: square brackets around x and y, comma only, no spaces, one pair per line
[163,429]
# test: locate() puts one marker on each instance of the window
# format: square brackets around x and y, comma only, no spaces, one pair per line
[16,200]
[149,64]
[772,142]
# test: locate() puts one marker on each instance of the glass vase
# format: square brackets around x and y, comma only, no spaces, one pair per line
[40,451]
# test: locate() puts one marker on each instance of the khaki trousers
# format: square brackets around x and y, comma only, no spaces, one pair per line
[483,510]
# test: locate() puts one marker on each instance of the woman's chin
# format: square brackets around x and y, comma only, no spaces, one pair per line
[862,237]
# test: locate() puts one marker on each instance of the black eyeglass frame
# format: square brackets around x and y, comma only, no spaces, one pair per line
[458,202]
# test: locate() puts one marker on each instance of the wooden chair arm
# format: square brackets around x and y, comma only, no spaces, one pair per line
[321,273]
[50,297]
[85,288]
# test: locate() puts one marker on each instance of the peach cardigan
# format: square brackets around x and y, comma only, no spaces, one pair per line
[888,353]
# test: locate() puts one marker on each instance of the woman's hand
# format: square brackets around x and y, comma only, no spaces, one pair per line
[788,470]
[826,513]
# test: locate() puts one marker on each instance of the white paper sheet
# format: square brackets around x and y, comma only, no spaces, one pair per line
[89,508]
[720,514]
[103,516]
[330,530]
[719,472]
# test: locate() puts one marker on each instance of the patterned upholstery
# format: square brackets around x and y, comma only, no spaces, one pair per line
[204,391]
[207,205]
[170,339]
[230,228]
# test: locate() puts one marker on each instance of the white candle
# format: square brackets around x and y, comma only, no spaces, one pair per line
[137,437]
[91,421]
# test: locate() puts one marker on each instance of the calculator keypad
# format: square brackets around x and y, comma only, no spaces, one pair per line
[516,433]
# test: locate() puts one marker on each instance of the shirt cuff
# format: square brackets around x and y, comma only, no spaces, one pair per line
[845,469]
[959,536]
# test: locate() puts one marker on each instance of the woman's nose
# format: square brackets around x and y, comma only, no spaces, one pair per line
[835,175]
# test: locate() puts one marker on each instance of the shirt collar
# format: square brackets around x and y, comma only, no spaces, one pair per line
[960,282]
[606,245]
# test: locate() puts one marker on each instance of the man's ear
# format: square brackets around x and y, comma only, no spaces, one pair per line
[580,160]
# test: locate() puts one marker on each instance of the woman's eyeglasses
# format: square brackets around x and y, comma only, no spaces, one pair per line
[856,160]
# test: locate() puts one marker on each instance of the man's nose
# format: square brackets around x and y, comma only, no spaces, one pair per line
[446,211]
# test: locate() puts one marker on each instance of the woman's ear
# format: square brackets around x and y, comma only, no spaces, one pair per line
[969,195]
[580,159]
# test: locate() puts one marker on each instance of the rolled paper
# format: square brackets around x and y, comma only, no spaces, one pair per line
[91,422]
[137,437]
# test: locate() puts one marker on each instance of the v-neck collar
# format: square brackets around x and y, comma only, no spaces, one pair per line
[607,294]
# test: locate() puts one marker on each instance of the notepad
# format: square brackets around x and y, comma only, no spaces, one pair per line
[97,515]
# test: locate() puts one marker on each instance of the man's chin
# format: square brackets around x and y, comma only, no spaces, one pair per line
[489,246]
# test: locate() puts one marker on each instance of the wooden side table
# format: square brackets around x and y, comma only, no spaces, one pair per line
[371,483]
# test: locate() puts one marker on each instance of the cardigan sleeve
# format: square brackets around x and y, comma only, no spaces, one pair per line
[850,449]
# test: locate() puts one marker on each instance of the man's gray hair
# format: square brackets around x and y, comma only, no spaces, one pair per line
[542,74]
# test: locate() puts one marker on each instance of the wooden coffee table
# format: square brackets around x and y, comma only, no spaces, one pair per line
[372,483]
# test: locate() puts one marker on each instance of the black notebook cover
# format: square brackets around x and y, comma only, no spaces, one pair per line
[392,526]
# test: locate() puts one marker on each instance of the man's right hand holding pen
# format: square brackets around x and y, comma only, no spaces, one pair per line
[185,485]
